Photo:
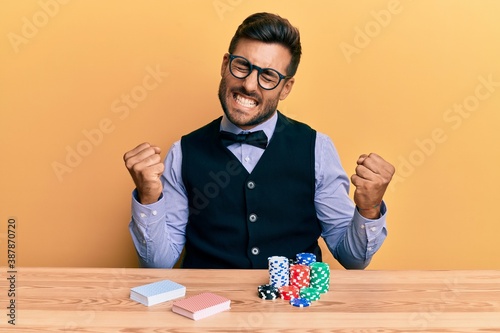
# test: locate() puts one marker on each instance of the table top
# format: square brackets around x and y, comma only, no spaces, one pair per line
[98,300]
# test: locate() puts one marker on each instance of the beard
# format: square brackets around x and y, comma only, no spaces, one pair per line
[263,111]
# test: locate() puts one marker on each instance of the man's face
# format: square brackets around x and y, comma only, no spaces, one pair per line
[244,102]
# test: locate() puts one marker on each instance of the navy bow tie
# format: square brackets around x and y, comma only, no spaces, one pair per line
[257,138]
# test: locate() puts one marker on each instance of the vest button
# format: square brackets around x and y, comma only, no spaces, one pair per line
[251,185]
[252,217]
[255,251]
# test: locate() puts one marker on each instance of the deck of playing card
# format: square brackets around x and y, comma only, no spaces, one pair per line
[157,292]
[201,305]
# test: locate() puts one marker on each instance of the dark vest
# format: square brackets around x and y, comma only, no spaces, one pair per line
[237,219]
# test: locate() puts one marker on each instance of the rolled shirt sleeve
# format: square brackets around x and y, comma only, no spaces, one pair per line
[158,229]
[351,238]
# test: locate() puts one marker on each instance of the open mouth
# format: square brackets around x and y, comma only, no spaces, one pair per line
[245,101]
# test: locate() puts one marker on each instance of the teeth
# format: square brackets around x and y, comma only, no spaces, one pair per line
[245,101]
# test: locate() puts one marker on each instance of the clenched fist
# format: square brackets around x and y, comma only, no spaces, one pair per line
[145,166]
[371,179]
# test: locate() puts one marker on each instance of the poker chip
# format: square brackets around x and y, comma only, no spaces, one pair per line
[311,294]
[279,267]
[300,276]
[320,276]
[299,281]
[289,292]
[268,292]
[305,258]
[300,302]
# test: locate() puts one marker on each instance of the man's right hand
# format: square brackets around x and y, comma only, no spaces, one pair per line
[146,167]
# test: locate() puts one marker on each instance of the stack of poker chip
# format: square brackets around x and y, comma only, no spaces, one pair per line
[311,294]
[300,275]
[279,271]
[289,292]
[300,281]
[320,276]
[268,292]
[305,258]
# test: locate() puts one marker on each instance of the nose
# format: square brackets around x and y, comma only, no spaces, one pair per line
[251,81]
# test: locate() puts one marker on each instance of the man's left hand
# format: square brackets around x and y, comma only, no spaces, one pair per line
[372,177]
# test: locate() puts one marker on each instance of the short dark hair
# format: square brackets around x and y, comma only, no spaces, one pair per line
[271,28]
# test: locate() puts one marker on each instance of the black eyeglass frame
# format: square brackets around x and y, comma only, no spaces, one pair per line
[259,71]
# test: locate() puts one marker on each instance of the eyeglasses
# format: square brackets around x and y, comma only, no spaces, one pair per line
[267,78]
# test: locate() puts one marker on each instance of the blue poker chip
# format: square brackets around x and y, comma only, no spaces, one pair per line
[305,258]
[300,302]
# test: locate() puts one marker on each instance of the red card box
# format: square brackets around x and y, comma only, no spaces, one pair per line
[201,306]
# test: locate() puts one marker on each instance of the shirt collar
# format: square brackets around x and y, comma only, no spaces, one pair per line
[268,126]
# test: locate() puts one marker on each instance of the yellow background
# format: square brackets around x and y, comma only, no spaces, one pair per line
[377,76]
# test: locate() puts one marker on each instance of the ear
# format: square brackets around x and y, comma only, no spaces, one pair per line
[225,61]
[287,88]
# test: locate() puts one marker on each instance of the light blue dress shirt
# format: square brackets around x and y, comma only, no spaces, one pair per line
[158,229]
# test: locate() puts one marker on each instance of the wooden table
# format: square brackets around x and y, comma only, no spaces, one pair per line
[97,300]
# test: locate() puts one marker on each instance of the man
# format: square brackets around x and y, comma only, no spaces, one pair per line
[232,199]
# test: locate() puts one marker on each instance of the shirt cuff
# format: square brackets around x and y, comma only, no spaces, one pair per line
[373,230]
[146,215]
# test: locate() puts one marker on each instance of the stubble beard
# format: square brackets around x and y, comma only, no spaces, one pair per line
[267,109]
